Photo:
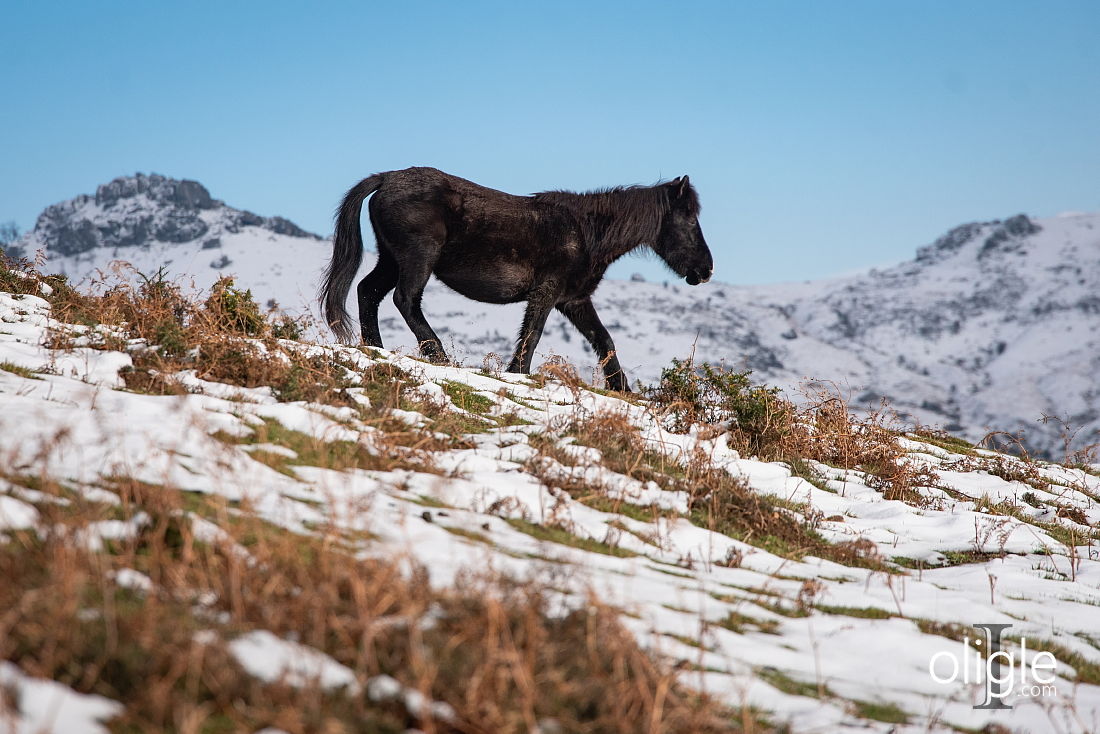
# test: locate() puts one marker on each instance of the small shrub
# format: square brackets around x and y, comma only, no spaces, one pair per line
[755,414]
[172,339]
[234,310]
[285,326]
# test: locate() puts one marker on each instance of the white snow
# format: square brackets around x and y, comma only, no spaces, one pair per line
[16,514]
[676,585]
[46,707]
[272,658]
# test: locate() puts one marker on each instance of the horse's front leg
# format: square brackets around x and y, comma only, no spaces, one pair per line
[534,319]
[582,314]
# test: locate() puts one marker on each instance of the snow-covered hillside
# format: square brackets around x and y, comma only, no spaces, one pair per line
[992,327]
[835,640]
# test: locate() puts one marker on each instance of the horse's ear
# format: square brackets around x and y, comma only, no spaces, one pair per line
[679,185]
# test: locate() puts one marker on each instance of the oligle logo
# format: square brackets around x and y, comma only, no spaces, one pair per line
[1000,671]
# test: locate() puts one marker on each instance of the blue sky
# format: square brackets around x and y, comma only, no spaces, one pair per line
[823,137]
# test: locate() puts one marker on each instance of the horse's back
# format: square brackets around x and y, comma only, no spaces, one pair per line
[425,183]
[422,196]
[486,244]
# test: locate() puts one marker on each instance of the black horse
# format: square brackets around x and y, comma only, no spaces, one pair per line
[549,249]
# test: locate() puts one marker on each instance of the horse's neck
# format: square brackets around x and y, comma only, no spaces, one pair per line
[616,241]
[609,252]
[627,230]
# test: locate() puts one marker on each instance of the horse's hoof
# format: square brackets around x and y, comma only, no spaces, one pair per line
[618,383]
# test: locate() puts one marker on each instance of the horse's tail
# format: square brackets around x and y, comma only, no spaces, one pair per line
[347,253]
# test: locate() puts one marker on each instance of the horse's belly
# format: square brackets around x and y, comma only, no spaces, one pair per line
[496,283]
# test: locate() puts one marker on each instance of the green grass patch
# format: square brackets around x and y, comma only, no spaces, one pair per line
[312,451]
[467,397]
[785,683]
[278,462]
[451,422]
[945,441]
[18,370]
[468,534]
[668,572]
[951,630]
[644,537]
[204,504]
[689,641]
[803,470]
[641,513]
[564,537]
[457,424]
[507,420]
[792,612]
[881,711]
[1087,671]
[741,623]
[429,501]
[727,524]
[912,563]
[861,612]
[962,557]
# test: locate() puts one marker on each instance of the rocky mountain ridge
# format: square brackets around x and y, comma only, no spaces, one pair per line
[135,211]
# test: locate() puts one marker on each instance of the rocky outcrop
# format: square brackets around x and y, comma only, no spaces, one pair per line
[138,210]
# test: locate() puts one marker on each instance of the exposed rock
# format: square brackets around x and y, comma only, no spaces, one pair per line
[949,243]
[1009,236]
[136,211]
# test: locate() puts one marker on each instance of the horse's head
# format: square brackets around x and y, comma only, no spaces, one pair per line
[680,240]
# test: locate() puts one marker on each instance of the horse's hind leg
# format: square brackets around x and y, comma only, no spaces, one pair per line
[372,289]
[413,274]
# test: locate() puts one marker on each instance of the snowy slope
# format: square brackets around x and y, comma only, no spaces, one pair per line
[989,328]
[64,421]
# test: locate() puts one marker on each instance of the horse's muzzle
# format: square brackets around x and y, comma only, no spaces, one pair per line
[694,278]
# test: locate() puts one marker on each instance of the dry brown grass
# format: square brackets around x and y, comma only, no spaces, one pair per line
[490,648]
[391,450]
[760,422]
[223,336]
[718,500]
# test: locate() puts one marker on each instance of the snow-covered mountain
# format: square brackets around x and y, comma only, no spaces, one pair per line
[991,327]
[152,221]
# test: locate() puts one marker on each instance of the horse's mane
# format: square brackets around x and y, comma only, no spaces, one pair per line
[617,219]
